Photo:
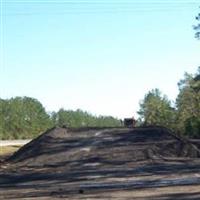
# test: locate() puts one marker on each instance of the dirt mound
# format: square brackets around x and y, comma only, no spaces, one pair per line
[102,146]
[103,163]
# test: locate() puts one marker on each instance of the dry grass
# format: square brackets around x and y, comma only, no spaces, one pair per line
[8,150]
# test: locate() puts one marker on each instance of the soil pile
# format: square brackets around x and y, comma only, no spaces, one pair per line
[96,147]
[103,163]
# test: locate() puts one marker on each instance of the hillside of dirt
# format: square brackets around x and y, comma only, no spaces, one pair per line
[84,163]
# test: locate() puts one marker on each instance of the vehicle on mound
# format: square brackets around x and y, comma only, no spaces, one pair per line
[130,122]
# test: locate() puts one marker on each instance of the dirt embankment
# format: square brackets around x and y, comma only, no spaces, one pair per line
[73,164]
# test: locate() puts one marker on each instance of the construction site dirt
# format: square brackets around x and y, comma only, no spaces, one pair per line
[103,163]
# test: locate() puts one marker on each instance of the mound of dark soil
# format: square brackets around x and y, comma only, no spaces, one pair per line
[102,147]
[103,163]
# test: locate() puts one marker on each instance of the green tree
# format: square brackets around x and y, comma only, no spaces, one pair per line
[197,27]
[81,118]
[188,104]
[23,117]
[4,118]
[35,116]
[156,109]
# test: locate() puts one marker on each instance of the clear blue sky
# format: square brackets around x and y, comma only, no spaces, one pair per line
[98,55]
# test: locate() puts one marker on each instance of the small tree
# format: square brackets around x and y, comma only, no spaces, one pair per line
[188,104]
[156,109]
[22,117]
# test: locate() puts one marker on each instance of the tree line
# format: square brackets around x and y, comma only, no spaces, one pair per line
[26,117]
[183,115]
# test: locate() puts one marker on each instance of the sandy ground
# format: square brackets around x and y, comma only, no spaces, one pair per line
[4,143]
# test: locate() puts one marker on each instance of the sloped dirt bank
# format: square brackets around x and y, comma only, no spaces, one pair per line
[97,163]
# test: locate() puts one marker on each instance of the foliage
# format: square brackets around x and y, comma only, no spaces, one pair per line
[184,117]
[25,117]
[188,104]
[197,27]
[80,118]
[156,109]
[22,117]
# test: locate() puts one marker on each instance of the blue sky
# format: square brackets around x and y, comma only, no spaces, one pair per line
[100,56]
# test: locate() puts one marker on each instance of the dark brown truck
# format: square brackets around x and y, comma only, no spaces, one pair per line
[129,122]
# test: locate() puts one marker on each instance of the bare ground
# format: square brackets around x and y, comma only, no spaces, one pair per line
[142,163]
